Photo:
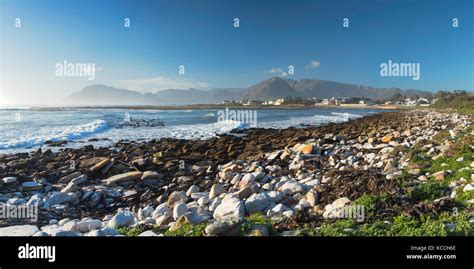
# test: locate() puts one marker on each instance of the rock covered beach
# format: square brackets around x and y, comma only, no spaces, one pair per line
[412,166]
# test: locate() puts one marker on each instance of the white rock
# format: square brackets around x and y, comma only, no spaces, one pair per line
[231,208]
[203,201]
[41,233]
[95,233]
[256,202]
[468,187]
[52,229]
[147,211]
[9,180]
[18,230]
[215,191]
[110,231]
[63,221]
[57,198]
[69,226]
[215,203]
[275,196]
[291,187]
[164,219]
[121,219]
[279,208]
[36,199]
[160,210]
[88,225]
[198,195]
[338,203]
[192,189]
[148,233]
[179,210]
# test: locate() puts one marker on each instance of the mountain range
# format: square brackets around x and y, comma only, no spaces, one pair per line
[269,89]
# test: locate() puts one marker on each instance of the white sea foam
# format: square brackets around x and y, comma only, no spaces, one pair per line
[347,115]
[54,134]
[310,120]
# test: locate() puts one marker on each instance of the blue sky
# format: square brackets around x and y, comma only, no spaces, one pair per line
[199,34]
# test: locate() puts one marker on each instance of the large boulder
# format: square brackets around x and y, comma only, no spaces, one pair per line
[231,208]
[256,202]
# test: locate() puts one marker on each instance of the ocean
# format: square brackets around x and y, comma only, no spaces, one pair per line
[23,130]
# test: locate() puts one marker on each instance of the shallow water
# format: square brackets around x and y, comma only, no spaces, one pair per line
[25,130]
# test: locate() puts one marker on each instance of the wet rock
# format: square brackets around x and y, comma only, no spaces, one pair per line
[9,180]
[31,186]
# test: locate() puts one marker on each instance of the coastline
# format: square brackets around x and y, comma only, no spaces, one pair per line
[220,106]
[292,176]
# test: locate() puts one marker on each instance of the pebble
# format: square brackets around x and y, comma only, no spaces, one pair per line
[215,191]
[31,186]
[192,189]
[9,180]
[468,187]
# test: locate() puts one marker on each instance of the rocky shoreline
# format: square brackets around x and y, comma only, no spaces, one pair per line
[249,182]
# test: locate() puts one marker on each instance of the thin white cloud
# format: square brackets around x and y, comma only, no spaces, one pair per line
[313,64]
[274,70]
[160,83]
[278,71]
